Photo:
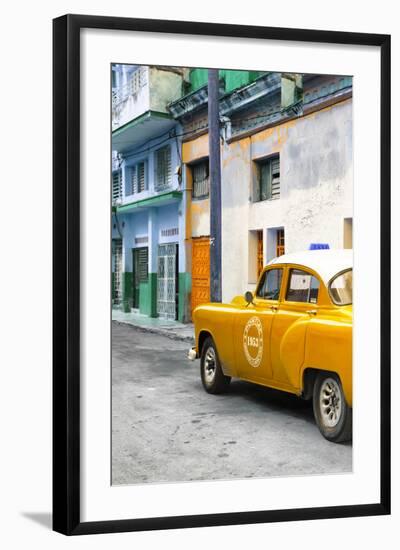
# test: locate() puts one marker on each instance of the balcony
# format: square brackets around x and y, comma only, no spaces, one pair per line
[139,106]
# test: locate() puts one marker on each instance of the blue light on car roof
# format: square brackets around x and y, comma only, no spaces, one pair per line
[318,246]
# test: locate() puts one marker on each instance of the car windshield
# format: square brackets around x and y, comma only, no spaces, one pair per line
[341,288]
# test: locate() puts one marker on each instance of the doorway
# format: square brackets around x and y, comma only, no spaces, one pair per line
[140,262]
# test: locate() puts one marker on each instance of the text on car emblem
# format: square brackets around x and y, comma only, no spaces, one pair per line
[253,341]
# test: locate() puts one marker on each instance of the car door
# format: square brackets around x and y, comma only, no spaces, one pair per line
[298,305]
[252,329]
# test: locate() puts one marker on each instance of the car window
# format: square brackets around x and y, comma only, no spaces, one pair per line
[270,284]
[341,288]
[303,287]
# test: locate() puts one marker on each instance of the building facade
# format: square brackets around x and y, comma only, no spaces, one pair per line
[148,218]
[286,177]
[286,173]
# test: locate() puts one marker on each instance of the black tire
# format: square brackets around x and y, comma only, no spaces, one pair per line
[212,377]
[332,414]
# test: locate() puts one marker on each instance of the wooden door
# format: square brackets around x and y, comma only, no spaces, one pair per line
[260,253]
[200,271]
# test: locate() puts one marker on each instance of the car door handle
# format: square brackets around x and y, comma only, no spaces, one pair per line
[312,311]
[274,308]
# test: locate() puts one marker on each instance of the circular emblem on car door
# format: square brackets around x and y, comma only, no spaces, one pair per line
[253,341]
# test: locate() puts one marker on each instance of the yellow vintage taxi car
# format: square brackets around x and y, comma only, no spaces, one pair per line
[294,333]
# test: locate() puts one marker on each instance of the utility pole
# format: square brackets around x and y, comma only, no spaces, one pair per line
[215,185]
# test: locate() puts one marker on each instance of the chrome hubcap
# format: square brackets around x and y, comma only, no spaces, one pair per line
[209,365]
[330,402]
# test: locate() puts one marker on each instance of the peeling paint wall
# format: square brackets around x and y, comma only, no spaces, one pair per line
[315,190]
[155,89]
[198,210]
[200,218]
[165,86]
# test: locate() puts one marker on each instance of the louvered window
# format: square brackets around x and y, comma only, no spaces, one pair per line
[269,181]
[163,172]
[141,265]
[201,180]
[116,186]
[137,180]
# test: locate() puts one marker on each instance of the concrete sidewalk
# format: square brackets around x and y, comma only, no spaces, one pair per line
[156,325]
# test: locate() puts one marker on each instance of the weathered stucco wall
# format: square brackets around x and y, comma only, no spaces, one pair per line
[130,106]
[198,210]
[157,88]
[165,86]
[316,190]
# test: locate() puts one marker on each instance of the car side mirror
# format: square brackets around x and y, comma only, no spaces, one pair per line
[248,296]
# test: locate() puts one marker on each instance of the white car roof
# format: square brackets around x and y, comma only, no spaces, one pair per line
[325,262]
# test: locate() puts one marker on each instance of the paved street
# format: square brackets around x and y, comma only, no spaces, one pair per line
[165,427]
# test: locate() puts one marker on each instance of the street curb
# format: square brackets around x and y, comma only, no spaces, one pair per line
[155,330]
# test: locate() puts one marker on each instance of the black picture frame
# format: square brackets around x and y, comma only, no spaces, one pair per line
[66,273]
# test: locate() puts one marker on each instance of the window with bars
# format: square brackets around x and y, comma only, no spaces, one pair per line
[116,186]
[268,185]
[137,181]
[138,80]
[280,242]
[201,180]
[163,172]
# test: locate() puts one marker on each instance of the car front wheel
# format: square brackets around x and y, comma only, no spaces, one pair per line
[332,414]
[212,377]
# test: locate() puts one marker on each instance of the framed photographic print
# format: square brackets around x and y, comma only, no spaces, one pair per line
[215,187]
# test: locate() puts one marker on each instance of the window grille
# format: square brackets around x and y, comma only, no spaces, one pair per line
[116,186]
[138,80]
[131,88]
[163,172]
[169,232]
[201,180]
[167,281]
[117,270]
[280,242]
[135,82]
[141,240]
[269,182]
